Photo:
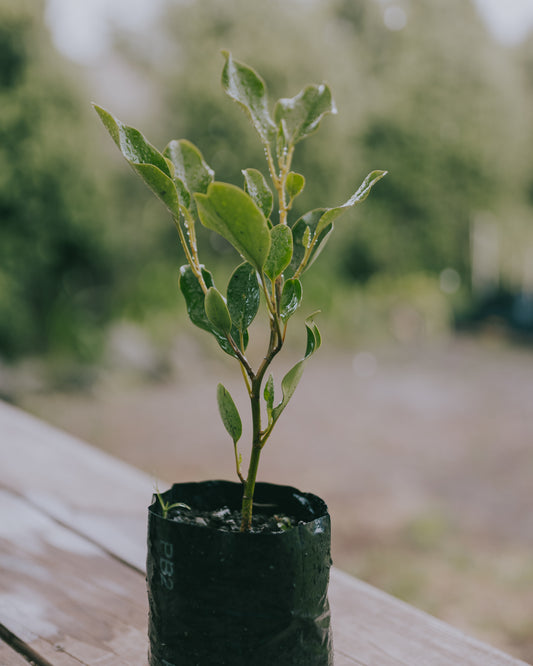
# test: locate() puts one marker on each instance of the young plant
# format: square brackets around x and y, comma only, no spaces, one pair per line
[275,253]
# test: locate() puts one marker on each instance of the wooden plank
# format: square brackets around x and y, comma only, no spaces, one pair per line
[72,481]
[79,485]
[8,657]
[63,596]
[372,628]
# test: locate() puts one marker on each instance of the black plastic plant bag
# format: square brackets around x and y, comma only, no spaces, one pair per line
[239,599]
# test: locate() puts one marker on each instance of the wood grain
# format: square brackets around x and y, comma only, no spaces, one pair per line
[64,596]
[9,657]
[373,629]
[73,487]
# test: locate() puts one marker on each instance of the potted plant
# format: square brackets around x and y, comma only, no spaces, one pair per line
[238,571]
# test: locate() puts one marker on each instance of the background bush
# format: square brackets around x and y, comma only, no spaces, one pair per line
[437,103]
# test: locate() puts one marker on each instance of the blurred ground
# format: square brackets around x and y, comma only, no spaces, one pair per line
[424,455]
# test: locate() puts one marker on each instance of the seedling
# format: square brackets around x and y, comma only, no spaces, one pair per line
[275,251]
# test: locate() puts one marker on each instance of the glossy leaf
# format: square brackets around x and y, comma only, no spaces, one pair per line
[243,296]
[291,297]
[320,222]
[229,413]
[314,339]
[280,251]
[257,187]
[189,166]
[302,233]
[146,160]
[360,195]
[232,213]
[268,394]
[291,379]
[217,311]
[294,185]
[247,88]
[288,387]
[195,297]
[301,115]
[195,302]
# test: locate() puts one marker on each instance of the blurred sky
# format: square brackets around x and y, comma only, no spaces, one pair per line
[82,29]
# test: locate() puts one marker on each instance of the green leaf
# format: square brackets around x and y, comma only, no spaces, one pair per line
[294,184]
[257,187]
[217,311]
[280,251]
[195,302]
[291,379]
[229,413]
[301,115]
[247,88]
[243,296]
[360,195]
[189,166]
[232,213]
[268,394]
[195,297]
[314,339]
[302,233]
[291,297]
[288,386]
[146,160]
[320,222]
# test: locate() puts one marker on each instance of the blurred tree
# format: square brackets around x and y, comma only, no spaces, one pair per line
[422,90]
[448,122]
[55,268]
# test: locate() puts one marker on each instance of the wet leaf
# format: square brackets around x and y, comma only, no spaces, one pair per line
[217,311]
[195,297]
[280,253]
[302,232]
[294,185]
[195,302]
[291,297]
[229,413]
[314,339]
[146,160]
[232,213]
[247,88]
[268,394]
[288,386]
[291,379]
[320,223]
[360,195]
[190,168]
[301,115]
[257,187]
[243,296]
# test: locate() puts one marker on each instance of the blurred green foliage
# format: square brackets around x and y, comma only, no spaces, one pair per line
[55,265]
[438,103]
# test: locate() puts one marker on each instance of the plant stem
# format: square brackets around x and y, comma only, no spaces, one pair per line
[191,253]
[249,487]
[258,440]
[275,344]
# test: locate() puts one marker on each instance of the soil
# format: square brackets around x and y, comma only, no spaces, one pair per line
[424,454]
[226,520]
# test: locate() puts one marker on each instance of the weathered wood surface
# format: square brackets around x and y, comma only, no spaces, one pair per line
[72,550]
[9,657]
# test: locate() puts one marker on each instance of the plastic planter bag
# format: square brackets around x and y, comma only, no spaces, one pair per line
[218,597]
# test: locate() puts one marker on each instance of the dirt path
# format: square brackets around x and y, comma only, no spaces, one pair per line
[425,457]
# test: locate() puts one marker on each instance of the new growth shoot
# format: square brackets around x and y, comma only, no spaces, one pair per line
[275,253]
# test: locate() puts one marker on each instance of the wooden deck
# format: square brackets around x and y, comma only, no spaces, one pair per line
[72,551]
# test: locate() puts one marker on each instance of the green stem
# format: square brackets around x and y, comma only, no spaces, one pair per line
[249,486]
[191,254]
[258,439]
